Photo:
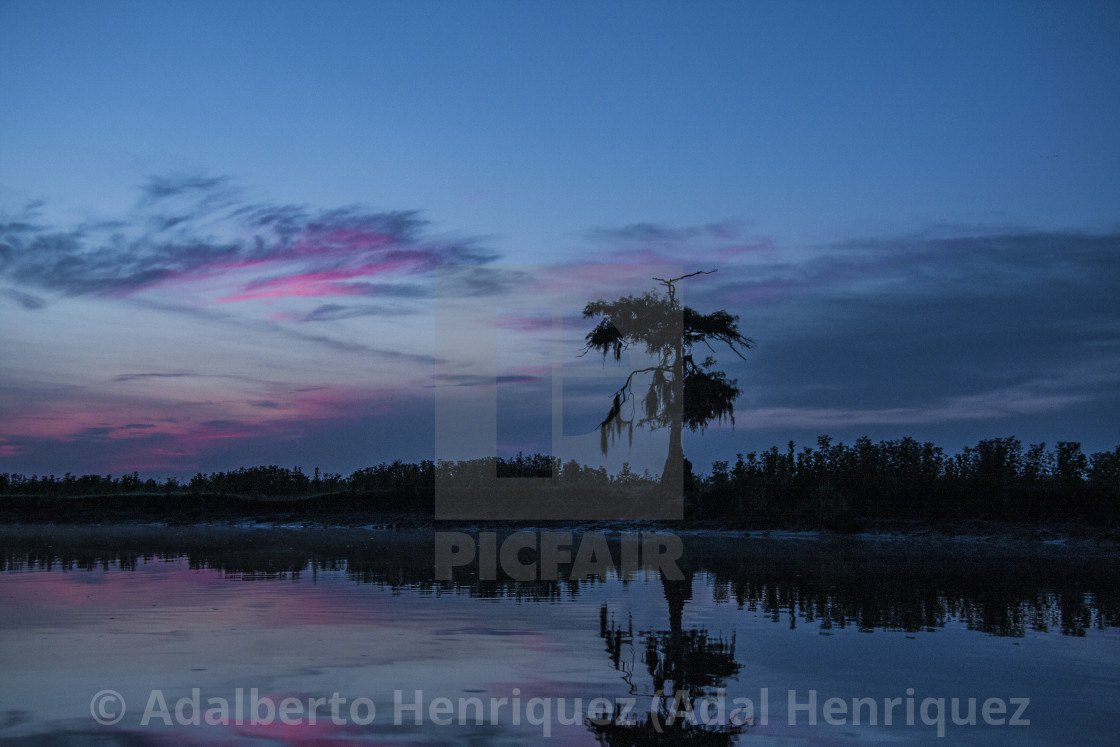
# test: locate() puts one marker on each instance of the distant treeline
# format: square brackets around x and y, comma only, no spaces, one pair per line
[830,485]
[403,478]
[904,479]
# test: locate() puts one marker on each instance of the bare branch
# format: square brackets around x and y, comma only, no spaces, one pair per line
[689,275]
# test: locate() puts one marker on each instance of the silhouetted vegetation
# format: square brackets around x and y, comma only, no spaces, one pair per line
[839,486]
[832,486]
[683,391]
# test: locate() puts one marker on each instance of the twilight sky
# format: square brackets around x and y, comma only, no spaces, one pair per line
[237,233]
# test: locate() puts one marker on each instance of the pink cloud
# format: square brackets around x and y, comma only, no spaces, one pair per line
[341,240]
[298,287]
[525,323]
[342,273]
[311,264]
[320,282]
[737,251]
[534,371]
[517,379]
[186,429]
[170,452]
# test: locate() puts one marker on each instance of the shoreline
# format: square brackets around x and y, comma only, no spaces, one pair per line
[971,532]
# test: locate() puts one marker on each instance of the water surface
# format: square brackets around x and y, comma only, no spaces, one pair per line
[260,617]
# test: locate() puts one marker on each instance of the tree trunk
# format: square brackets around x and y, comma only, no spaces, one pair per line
[672,477]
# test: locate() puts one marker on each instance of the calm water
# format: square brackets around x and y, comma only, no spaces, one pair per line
[229,627]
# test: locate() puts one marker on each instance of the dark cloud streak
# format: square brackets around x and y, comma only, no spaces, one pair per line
[334,312]
[1009,329]
[26,300]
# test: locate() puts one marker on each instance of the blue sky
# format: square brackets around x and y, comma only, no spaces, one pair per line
[221,221]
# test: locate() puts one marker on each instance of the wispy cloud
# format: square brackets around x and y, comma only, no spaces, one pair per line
[333,312]
[26,300]
[182,375]
[659,244]
[167,375]
[992,405]
[200,234]
[477,380]
[646,234]
[939,262]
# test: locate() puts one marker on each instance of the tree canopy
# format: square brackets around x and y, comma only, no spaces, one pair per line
[683,390]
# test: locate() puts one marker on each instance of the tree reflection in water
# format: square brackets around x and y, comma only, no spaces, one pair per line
[1003,590]
[684,666]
